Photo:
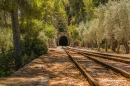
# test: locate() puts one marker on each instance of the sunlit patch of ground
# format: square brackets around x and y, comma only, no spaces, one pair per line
[23,81]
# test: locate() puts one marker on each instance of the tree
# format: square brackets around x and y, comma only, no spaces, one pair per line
[112,24]
[121,15]
[73,34]
[12,7]
[117,23]
[80,29]
[100,27]
[60,16]
[16,37]
[90,33]
[75,10]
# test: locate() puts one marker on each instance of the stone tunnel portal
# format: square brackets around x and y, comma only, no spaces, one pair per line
[63,41]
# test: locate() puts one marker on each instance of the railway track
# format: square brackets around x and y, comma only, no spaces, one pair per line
[97,70]
[120,64]
[108,56]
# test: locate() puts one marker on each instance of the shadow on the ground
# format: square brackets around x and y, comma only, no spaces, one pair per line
[52,66]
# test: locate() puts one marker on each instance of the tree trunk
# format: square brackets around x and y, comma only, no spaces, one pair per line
[114,45]
[126,47]
[92,46]
[118,47]
[49,43]
[83,44]
[98,47]
[106,45]
[98,44]
[16,38]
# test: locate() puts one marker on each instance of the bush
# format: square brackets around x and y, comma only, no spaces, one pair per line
[39,47]
[6,63]
[25,59]
[35,46]
[5,73]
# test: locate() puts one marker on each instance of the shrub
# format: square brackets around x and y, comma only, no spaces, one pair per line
[25,59]
[6,63]
[35,45]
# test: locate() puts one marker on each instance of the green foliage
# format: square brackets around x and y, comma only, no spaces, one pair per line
[6,63]
[5,40]
[31,27]
[50,31]
[25,59]
[75,10]
[35,45]
[5,73]
[59,17]
[32,48]
[39,47]
[37,29]
[7,5]
[97,2]
[89,9]
[111,22]
[73,33]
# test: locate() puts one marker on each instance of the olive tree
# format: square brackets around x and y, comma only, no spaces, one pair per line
[80,29]
[99,12]
[90,33]
[117,21]
[109,25]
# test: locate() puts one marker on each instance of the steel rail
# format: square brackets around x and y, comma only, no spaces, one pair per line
[90,79]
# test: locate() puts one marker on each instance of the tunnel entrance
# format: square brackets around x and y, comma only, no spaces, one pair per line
[63,41]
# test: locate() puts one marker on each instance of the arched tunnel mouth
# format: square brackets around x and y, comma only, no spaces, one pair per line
[63,41]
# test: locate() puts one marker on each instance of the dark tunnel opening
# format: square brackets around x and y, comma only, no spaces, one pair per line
[63,41]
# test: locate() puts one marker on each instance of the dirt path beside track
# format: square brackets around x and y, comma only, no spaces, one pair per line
[53,69]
